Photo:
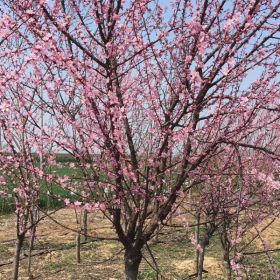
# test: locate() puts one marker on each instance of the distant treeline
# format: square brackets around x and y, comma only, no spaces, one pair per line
[60,157]
[64,158]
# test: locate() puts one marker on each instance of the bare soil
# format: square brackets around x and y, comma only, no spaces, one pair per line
[55,255]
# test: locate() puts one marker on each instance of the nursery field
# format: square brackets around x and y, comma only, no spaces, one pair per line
[169,256]
[140,140]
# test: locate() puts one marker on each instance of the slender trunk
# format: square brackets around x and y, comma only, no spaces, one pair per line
[157,235]
[132,260]
[30,276]
[229,273]
[228,265]
[19,243]
[85,225]
[197,236]
[78,247]
[48,203]
[226,247]
[200,262]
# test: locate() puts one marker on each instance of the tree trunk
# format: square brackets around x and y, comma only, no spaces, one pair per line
[226,246]
[228,266]
[30,276]
[19,243]
[85,224]
[132,260]
[197,236]
[78,248]
[200,263]
[229,273]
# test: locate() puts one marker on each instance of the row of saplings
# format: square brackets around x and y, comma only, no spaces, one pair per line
[229,220]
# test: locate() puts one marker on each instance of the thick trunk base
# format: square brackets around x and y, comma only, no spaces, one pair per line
[200,264]
[132,260]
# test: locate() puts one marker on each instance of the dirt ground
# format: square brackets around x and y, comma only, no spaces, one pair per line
[55,254]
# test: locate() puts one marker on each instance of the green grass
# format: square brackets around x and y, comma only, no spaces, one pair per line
[51,266]
[65,171]
[7,205]
[260,268]
[147,274]
[65,158]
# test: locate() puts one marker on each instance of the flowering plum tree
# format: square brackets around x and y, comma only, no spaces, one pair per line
[23,182]
[225,205]
[20,173]
[145,95]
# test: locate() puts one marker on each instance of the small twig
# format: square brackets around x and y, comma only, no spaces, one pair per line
[154,260]
[111,258]
[261,252]
[76,231]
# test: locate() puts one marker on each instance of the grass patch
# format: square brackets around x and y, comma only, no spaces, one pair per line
[51,266]
[147,274]
[7,205]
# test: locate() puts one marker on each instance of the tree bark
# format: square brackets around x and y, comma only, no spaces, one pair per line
[78,248]
[226,247]
[228,266]
[197,236]
[132,260]
[32,239]
[17,256]
[85,224]
[200,263]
